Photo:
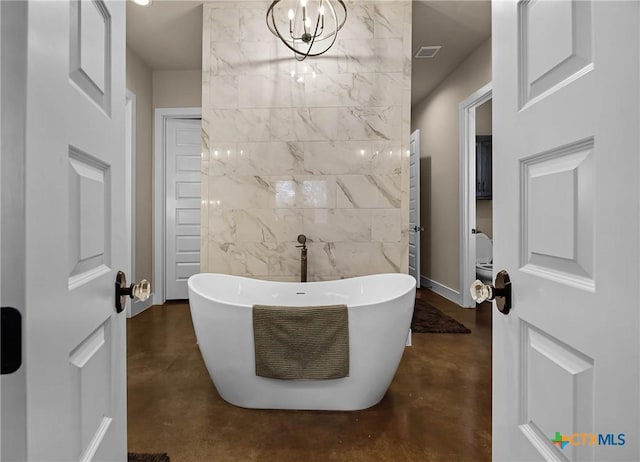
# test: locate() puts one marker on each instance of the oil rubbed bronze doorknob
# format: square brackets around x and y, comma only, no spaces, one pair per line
[501,292]
[140,291]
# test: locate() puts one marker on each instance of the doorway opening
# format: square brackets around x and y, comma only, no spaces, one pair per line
[134,307]
[414,206]
[474,197]
[177,167]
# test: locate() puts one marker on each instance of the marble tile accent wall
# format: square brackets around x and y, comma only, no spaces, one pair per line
[317,148]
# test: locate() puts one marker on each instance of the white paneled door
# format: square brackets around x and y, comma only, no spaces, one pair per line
[566,226]
[183,159]
[67,63]
[414,206]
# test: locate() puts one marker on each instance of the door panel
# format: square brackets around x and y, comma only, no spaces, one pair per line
[90,50]
[91,378]
[89,222]
[566,226]
[555,43]
[547,360]
[557,214]
[183,149]
[75,227]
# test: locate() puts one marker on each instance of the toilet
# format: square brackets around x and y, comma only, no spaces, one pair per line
[484,258]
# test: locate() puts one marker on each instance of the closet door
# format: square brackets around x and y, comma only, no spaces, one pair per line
[182,205]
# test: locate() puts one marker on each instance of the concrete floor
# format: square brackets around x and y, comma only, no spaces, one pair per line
[438,407]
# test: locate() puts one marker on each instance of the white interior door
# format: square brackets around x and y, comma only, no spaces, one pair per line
[414,206]
[566,227]
[183,159]
[67,71]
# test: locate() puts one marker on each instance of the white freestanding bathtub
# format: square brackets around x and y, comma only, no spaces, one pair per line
[380,309]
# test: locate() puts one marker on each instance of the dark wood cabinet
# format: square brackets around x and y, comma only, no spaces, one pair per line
[483,167]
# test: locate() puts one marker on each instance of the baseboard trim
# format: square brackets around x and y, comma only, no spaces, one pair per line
[138,307]
[157,300]
[447,292]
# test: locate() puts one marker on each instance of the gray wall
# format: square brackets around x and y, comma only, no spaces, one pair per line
[139,82]
[437,118]
[177,88]
[153,89]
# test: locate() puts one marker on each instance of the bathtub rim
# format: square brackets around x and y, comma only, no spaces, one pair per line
[403,276]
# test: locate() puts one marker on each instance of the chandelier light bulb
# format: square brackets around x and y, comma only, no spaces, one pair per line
[290,14]
[303,3]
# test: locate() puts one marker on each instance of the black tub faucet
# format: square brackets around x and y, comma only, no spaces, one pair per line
[302,239]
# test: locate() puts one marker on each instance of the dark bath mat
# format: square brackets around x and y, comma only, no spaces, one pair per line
[135,457]
[428,319]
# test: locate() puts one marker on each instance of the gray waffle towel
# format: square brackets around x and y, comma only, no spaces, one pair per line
[301,342]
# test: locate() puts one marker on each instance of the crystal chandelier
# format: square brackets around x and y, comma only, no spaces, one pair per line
[313,24]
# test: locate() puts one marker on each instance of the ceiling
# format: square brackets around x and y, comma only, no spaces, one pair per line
[167,35]
[458,26]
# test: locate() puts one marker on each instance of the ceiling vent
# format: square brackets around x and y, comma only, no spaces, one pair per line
[427,52]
